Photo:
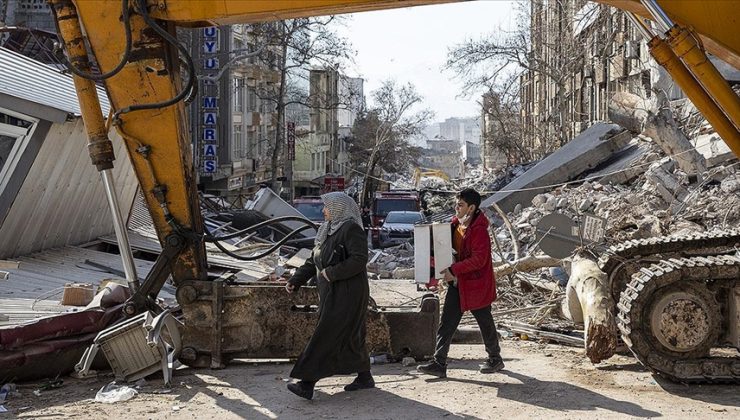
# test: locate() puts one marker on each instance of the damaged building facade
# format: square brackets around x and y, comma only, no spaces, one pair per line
[50,193]
[593,51]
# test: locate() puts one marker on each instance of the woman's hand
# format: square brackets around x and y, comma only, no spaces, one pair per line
[290,288]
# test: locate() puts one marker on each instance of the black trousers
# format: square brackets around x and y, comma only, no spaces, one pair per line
[451,316]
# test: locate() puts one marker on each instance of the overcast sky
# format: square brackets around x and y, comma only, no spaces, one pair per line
[410,45]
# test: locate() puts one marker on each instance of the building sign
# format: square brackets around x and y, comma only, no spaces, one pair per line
[333,183]
[209,151]
[209,118]
[209,166]
[235,182]
[208,129]
[290,140]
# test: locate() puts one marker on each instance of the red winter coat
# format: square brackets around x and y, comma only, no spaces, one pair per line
[474,268]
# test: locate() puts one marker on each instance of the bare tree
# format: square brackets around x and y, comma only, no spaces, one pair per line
[503,124]
[291,48]
[381,135]
[542,53]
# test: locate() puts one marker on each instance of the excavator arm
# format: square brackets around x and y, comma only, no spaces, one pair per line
[146,94]
[132,44]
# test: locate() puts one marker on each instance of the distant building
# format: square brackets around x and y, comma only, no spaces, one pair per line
[460,129]
[445,155]
[336,100]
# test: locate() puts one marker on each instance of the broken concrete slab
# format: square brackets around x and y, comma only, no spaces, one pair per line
[621,168]
[714,150]
[664,183]
[593,146]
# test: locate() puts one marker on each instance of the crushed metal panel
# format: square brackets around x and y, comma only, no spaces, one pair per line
[29,290]
[144,239]
[28,79]
[62,199]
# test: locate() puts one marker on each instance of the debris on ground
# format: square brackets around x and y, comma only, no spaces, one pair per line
[112,393]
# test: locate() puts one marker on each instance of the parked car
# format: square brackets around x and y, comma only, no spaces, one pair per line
[311,207]
[398,227]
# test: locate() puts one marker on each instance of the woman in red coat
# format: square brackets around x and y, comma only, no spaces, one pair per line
[472,286]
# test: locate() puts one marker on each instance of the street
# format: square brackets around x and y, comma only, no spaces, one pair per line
[540,380]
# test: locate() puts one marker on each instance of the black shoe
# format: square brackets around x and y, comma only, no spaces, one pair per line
[434,369]
[301,389]
[492,366]
[358,384]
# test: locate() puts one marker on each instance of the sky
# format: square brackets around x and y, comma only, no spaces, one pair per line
[411,44]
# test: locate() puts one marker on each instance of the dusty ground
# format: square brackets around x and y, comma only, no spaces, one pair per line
[539,380]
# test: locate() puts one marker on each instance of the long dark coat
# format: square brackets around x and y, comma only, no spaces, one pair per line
[337,346]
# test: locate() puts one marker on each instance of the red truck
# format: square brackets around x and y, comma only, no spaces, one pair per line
[385,201]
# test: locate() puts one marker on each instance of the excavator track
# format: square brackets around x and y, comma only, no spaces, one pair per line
[670,318]
[684,267]
[705,243]
[626,258]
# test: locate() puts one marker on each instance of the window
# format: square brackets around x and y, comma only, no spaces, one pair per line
[238,94]
[267,106]
[238,45]
[403,217]
[252,59]
[237,142]
[250,144]
[251,100]
[15,133]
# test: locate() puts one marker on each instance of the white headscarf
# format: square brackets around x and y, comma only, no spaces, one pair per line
[342,208]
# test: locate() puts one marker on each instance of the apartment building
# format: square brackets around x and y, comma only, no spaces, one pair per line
[582,53]
[233,118]
[335,102]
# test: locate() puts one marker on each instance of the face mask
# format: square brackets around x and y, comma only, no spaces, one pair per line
[466,217]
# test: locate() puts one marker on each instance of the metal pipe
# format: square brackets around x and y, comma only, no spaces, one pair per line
[684,44]
[99,145]
[660,17]
[121,234]
[637,21]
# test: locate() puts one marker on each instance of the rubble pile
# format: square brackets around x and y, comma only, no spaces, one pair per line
[660,202]
[439,195]
[649,197]
[392,262]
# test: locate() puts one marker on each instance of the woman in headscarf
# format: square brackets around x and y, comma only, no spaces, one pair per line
[338,261]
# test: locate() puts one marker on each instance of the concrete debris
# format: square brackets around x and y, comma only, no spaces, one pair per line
[590,148]
[639,192]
